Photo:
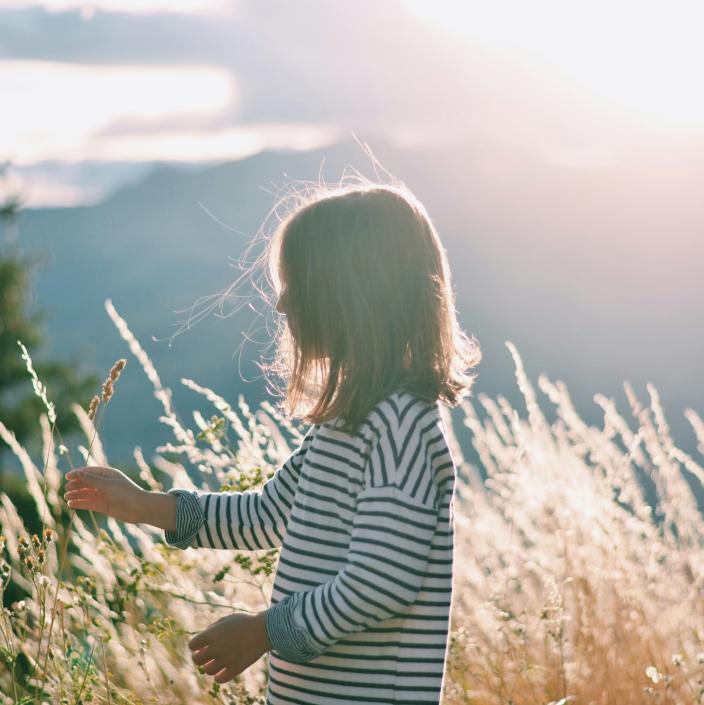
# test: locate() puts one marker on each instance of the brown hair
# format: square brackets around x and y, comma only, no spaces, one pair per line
[365,286]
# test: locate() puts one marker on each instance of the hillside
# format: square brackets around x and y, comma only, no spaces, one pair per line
[591,272]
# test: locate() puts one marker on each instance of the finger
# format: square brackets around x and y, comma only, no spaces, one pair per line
[82,493]
[201,656]
[80,490]
[199,640]
[76,472]
[89,479]
[78,480]
[224,676]
[82,504]
[74,484]
[213,666]
[75,475]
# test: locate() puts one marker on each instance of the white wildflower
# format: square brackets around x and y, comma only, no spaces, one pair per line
[653,674]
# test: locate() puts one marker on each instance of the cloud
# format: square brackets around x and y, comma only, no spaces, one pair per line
[58,110]
[114,37]
[308,62]
[360,65]
[297,71]
[140,7]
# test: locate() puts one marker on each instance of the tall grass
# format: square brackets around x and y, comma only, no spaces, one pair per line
[572,583]
[571,587]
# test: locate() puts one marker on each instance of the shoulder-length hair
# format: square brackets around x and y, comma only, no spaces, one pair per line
[364,283]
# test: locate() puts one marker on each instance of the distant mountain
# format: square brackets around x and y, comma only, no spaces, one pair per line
[594,273]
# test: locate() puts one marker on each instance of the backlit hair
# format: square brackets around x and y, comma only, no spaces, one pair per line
[365,285]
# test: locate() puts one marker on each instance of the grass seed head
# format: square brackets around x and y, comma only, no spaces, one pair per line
[107,390]
[39,388]
[108,384]
[92,408]
[117,368]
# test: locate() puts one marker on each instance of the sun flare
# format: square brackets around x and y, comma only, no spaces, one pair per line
[643,58]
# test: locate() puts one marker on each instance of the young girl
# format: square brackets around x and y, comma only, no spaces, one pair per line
[362,510]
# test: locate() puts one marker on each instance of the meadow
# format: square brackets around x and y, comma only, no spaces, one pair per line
[579,557]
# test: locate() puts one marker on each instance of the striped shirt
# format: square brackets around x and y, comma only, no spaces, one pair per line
[362,593]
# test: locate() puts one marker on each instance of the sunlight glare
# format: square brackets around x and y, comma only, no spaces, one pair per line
[643,58]
[56,109]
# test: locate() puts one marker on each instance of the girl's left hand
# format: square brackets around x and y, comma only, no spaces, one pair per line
[230,645]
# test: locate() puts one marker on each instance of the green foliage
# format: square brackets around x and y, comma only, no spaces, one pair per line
[256,563]
[19,408]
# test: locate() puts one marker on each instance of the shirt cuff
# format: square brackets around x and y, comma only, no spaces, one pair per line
[189,519]
[287,636]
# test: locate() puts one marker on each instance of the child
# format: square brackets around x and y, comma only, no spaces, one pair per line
[362,510]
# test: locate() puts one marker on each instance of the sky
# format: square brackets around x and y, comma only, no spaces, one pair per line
[92,92]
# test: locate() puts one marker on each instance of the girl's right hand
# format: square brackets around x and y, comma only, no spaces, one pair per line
[105,490]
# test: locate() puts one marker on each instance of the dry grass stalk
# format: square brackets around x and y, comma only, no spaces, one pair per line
[570,586]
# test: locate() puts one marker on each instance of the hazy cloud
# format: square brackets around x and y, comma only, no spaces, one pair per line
[366,63]
[302,65]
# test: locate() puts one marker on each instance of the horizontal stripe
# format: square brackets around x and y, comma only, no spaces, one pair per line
[189,519]
[362,594]
[313,693]
[357,683]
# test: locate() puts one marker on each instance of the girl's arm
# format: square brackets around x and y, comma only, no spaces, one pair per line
[391,539]
[249,521]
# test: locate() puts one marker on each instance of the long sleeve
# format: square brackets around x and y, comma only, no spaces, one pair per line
[391,538]
[249,521]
